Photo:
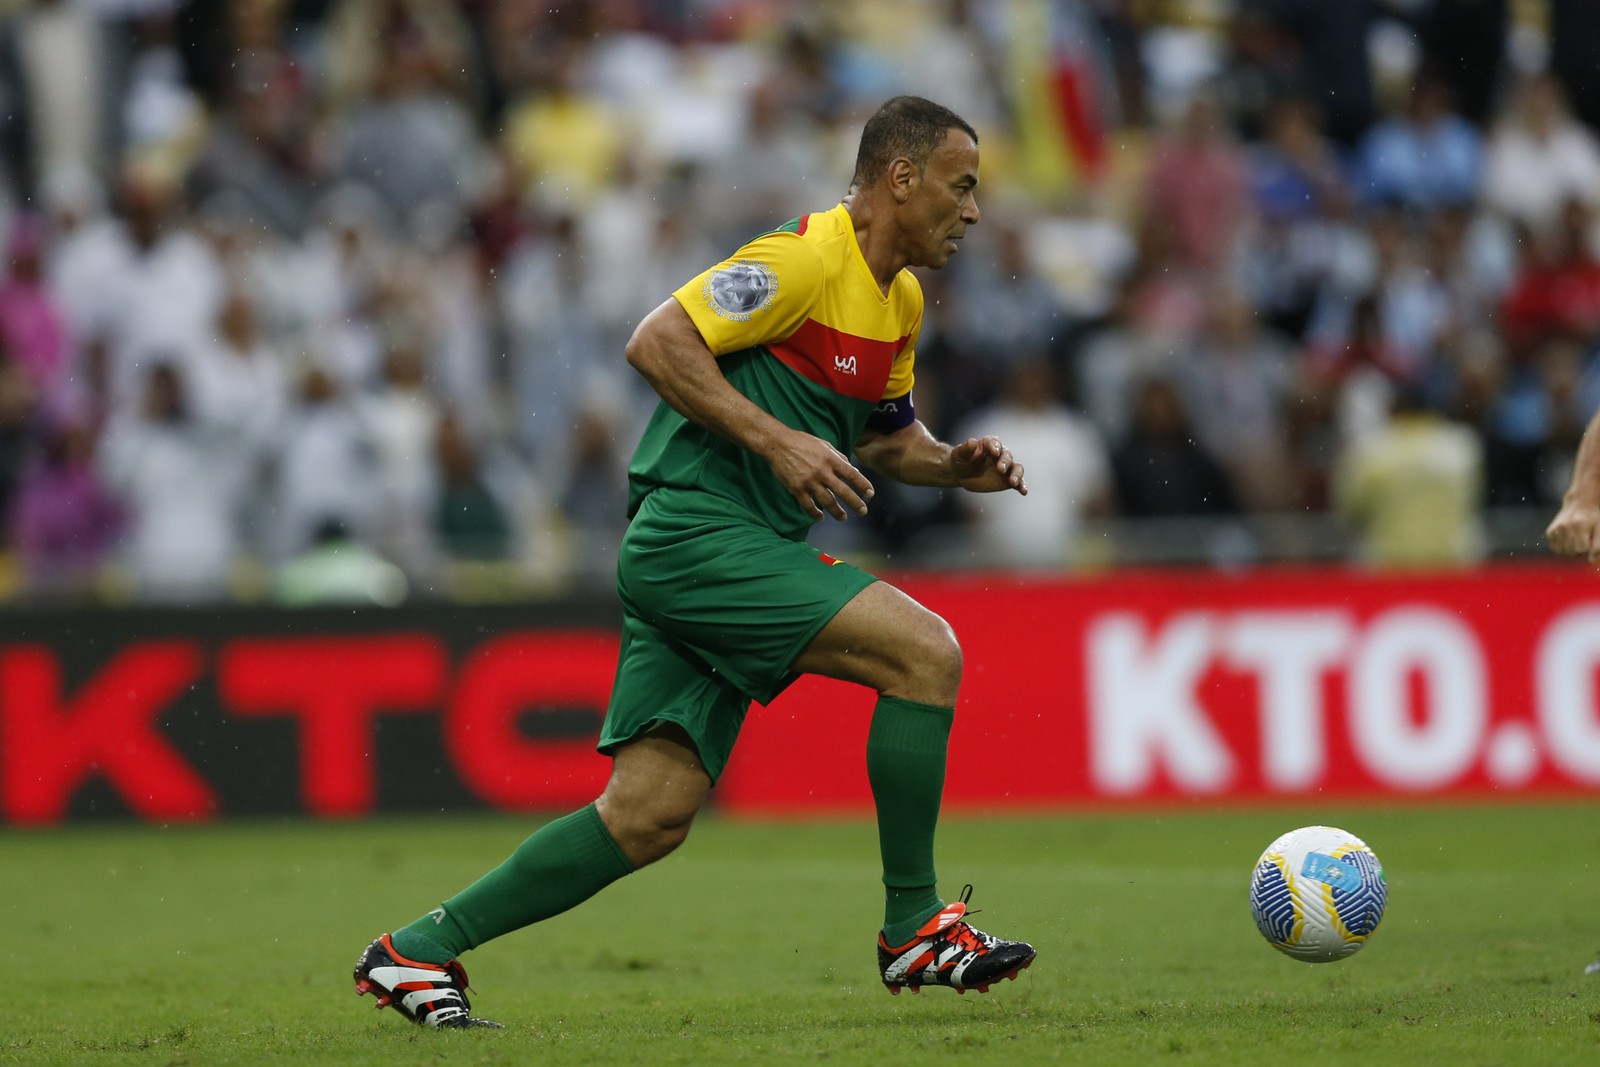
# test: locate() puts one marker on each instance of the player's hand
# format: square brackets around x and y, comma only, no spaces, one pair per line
[984,465]
[819,477]
[1575,531]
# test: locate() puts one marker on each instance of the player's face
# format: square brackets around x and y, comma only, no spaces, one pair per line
[943,202]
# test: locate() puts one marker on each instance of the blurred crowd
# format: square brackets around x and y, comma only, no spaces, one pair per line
[311,300]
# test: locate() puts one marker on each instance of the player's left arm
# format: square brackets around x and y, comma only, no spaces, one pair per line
[911,454]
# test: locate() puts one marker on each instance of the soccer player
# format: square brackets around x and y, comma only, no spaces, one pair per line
[1575,531]
[771,366]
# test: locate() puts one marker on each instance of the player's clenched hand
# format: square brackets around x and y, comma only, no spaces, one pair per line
[984,465]
[1575,531]
[819,477]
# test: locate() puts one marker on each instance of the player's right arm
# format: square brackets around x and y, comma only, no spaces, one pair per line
[668,349]
[1575,531]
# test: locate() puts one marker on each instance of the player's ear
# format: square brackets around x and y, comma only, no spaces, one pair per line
[903,177]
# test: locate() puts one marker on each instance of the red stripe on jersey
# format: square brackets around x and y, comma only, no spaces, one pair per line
[800,226]
[857,367]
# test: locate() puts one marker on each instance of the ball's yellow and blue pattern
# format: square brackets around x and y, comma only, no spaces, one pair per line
[1318,893]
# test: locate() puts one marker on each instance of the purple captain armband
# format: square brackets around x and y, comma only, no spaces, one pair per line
[895,413]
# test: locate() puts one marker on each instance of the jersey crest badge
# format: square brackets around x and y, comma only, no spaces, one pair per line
[740,289]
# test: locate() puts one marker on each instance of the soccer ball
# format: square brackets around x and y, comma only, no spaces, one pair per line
[1318,893]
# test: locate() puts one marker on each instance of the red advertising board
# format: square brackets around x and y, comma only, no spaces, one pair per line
[1262,685]
[1124,689]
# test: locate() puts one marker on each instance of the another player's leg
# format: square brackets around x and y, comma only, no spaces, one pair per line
[884,639]
[657,785]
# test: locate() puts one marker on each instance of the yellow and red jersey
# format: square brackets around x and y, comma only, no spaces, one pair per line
[801,327]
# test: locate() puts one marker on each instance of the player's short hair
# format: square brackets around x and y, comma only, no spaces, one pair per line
[908,126]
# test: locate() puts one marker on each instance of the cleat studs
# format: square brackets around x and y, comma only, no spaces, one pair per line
[894,990]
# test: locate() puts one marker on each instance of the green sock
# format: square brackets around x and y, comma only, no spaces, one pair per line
[434,938]
[906,748]
[563,864]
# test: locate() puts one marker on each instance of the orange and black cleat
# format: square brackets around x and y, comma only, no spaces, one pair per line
[429,994]
[950,952]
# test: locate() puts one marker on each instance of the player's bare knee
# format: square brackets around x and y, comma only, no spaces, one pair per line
[650,843]
[929,668]
[944,661]
[650,815]
[657,785]
[663,838]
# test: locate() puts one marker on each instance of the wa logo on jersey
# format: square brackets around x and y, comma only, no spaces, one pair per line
[740,289]
[844,364]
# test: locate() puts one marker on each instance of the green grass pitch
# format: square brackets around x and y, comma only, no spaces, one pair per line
[232,944]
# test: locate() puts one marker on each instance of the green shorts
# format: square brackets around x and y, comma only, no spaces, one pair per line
[715,611]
